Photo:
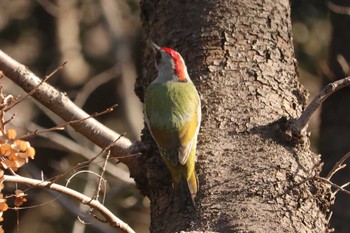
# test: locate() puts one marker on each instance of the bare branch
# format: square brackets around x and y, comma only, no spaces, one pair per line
[110,217]
[36,88]
[343,187]
[298,125]
[343,10]
[343,64]
[60,104]
[337,187]
[338,166]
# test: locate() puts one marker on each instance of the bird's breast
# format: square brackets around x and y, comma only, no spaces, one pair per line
[170,105]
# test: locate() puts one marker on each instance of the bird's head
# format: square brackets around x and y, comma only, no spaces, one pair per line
[171,66]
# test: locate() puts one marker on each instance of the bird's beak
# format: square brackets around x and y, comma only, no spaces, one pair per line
[154,45]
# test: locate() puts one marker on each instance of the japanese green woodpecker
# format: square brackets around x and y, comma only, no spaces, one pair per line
[173,114]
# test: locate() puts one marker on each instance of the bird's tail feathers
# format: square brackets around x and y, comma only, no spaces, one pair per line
[187,190]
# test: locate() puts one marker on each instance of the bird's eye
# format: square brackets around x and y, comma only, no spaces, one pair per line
[158,57]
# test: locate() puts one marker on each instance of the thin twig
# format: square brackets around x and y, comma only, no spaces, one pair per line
[64,200]
[9,120]
[338,166]
[101,178]
[343,186]
[343,64]
[85,163]
[298,125]
[344,10]
[340,188]
[312,174]
[63,125]
[111,218]
[79,172]
[329,217]
[36,87]
[71,146]
[327,72]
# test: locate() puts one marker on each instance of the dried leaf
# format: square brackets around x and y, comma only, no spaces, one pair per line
[11,134]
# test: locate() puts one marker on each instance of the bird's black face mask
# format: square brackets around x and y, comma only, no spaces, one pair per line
[158,57]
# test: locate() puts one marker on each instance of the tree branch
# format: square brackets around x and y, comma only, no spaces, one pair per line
[60,104]
[110,217]
[298,125]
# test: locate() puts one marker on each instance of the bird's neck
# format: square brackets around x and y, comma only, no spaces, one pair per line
[168,73]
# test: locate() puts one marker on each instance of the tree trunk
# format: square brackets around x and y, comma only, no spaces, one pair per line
[240,56]
[335,116]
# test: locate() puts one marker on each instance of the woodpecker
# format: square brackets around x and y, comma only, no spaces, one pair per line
[173,114]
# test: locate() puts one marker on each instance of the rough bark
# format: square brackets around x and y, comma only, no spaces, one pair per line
[335,116]
[240,56]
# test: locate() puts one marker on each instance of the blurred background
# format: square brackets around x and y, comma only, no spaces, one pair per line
[101,42]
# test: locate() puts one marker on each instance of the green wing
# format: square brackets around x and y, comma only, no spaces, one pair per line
[172,112]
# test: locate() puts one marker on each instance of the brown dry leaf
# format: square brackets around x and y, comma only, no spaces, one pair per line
[31,152]
[20,193]
[19,201]
[11,134]
[20,198]
[20,145]
[7,150]
[3,205]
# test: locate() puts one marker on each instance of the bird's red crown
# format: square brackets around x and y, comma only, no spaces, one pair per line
[180,68]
